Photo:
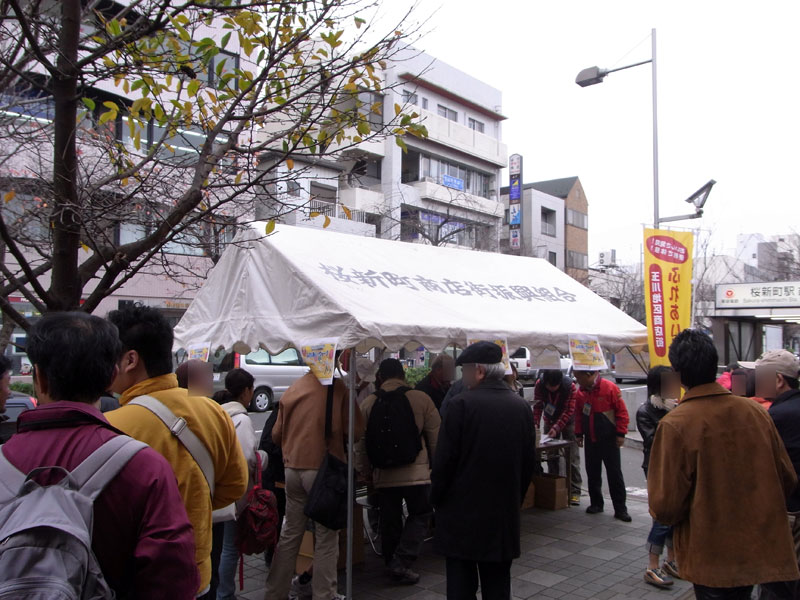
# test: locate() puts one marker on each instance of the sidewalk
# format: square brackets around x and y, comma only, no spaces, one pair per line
[565,554]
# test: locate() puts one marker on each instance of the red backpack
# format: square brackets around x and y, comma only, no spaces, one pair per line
[257,524]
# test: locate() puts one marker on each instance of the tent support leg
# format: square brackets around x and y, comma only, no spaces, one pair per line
[350,472]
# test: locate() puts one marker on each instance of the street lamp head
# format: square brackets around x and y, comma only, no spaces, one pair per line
[591,76]
[700,196]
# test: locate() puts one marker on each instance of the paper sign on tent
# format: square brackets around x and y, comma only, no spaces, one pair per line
[485,337]
[586,354]
[199,351]
[320,357]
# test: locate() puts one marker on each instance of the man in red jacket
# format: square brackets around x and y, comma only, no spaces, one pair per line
[602,421]
[141,537]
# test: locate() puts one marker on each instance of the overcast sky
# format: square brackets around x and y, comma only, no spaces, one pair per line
[727,104]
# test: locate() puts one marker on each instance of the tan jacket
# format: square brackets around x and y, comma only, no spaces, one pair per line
[300,426]
[720,474]
[427,419]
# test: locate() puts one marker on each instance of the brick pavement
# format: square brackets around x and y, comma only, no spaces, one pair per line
[565,554]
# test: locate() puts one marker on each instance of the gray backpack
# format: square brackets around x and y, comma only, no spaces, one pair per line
[46,531]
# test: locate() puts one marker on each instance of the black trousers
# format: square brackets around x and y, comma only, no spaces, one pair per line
[404,541]
[702,592]
[462,579]
[597,454]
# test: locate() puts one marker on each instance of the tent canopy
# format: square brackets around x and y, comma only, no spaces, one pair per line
[301,284]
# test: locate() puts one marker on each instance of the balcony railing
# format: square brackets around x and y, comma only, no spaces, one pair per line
[335,210]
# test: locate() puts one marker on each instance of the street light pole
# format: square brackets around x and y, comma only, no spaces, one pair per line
[595,75]
[655,133]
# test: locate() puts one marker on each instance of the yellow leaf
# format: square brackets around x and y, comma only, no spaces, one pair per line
[347,212]
[314,214]
[124,182]
[84,247]
[9,196]
[397,108]
[270,227]
[238,179]
[327,222]
[289,164]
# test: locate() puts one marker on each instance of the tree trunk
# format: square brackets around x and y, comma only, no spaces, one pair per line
[65,287]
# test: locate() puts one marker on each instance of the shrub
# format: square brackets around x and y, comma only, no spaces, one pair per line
[416,374]
[24,388]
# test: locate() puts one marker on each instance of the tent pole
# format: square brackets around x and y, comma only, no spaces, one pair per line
[351,375]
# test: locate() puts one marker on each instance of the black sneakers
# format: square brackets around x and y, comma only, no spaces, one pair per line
[623,516]
[593,510]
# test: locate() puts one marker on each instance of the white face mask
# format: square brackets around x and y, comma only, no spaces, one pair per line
[670,403]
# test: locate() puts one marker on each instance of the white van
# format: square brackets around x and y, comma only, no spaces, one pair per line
[273,373]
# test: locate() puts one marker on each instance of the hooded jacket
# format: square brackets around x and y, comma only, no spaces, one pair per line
[208,421]
[249,443]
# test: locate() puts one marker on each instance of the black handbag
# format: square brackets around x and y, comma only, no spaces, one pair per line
[327,501]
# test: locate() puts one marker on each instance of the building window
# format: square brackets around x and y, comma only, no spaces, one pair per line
[425,103]
[506,217]
[447,113]
[293,188]
[548,222]
[577,219]
[409,98]
[474,182]
[476,125]
[577,260]
[552,258]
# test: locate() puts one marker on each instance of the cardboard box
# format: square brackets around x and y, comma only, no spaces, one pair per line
[528,502]
[551,492]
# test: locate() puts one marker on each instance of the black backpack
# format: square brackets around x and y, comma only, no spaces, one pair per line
[392,438]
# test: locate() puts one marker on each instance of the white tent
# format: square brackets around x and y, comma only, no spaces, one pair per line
[301,284]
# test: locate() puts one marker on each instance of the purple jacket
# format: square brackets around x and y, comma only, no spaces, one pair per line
[142,537]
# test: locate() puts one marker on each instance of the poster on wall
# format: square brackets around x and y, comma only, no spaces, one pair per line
[667,288]
[199,351]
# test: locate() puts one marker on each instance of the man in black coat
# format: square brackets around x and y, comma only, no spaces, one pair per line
[783,368]
[482,468]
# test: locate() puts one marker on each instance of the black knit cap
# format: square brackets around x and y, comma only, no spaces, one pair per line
[484,353]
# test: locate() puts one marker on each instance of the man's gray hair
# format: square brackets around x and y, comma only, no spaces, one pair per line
[495,371]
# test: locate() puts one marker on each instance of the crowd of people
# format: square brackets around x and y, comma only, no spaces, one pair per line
[146,499]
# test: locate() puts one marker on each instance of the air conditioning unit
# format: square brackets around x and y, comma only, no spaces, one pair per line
[608,258]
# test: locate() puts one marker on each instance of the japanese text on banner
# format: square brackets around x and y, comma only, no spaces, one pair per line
[667,288]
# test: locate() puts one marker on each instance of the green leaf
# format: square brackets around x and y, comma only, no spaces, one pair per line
[106,117]
[399,141]
[89,103]
[225,39]
[192,88]
[270,227]
[363,128]
[111,106]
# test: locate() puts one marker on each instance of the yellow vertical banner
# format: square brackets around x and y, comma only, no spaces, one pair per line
[667,288]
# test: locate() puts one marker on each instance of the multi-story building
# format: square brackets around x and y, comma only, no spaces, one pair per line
[442,190]
[554,224]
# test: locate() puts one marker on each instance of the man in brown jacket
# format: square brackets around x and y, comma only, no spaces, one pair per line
[410,482]
[720,474]
[300,432]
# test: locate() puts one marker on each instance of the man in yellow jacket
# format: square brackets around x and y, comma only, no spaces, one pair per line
[145,368]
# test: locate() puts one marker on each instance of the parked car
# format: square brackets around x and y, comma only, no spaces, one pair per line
[16,404]
[273,373]
[522,360]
